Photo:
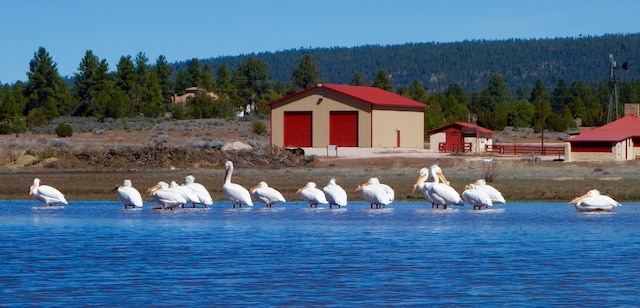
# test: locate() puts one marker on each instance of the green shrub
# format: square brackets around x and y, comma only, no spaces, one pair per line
[18,125]
[37,117]
[5,128]
[260,128]
[125,124]
[64,130]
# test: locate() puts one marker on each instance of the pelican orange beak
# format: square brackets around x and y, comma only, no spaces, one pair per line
[153,189]
[258,186]
[360,187]
[116,188]
[578,199]
[300,189]
[418,181]
[442,178]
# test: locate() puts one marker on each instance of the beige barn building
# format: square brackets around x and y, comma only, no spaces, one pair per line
[347,116]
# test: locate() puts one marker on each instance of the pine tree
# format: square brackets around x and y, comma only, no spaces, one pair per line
[206,78]
[357,80]
[93,86]
[102,92]
[225,86]
[126,78]
[417,92]
[193,73]
[181,83]
[253,81]
[382,81]
[164,71]
[560,97]
[153,105]
[12,101]
[143,71]
[45,88]
[305,74]
[84,81]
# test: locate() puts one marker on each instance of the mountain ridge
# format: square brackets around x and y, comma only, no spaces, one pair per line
[469,63]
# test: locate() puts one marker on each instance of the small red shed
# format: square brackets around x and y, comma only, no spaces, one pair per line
[460,137]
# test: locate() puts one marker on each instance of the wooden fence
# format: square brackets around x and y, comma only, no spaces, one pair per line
[457,148]
[520,149]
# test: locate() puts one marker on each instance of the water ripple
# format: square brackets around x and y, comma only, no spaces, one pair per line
[525,254]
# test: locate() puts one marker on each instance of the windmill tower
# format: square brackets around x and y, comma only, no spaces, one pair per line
[613,96]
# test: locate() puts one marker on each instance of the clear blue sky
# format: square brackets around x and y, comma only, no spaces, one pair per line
[186,29]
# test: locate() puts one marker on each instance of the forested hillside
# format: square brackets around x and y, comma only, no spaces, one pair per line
[518,83]
[469,64]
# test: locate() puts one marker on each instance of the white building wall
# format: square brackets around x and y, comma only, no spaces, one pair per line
[618,153]
[435,140]
[478,144]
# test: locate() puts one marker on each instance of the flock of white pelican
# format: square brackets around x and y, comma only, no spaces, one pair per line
[438,192]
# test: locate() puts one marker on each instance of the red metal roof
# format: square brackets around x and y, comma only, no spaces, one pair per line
[372,95]
[479,129]
[621,129]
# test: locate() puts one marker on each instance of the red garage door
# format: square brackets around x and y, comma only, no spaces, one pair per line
[343,128]
[297,129]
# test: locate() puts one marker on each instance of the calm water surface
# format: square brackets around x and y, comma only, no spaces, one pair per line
[525,254]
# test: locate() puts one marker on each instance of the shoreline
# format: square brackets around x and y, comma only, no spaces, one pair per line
[517,179]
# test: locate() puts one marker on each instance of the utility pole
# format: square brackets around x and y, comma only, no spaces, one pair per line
[542,124]
[613,97]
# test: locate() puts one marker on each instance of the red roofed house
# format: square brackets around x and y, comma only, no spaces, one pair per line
[460,137]
[347,116]
[616,141]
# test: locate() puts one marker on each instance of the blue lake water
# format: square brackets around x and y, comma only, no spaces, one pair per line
[525,254]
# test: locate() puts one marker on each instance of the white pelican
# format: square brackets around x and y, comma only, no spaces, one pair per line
[129,195]
[442,193]
[237,194]
[199,189]
[593,201]
[478,198]
[423,186]
[335,194]
[312,195]
[375,193]
[494,194]
[185,192]
[165,197]
[264,194]
[46,193]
